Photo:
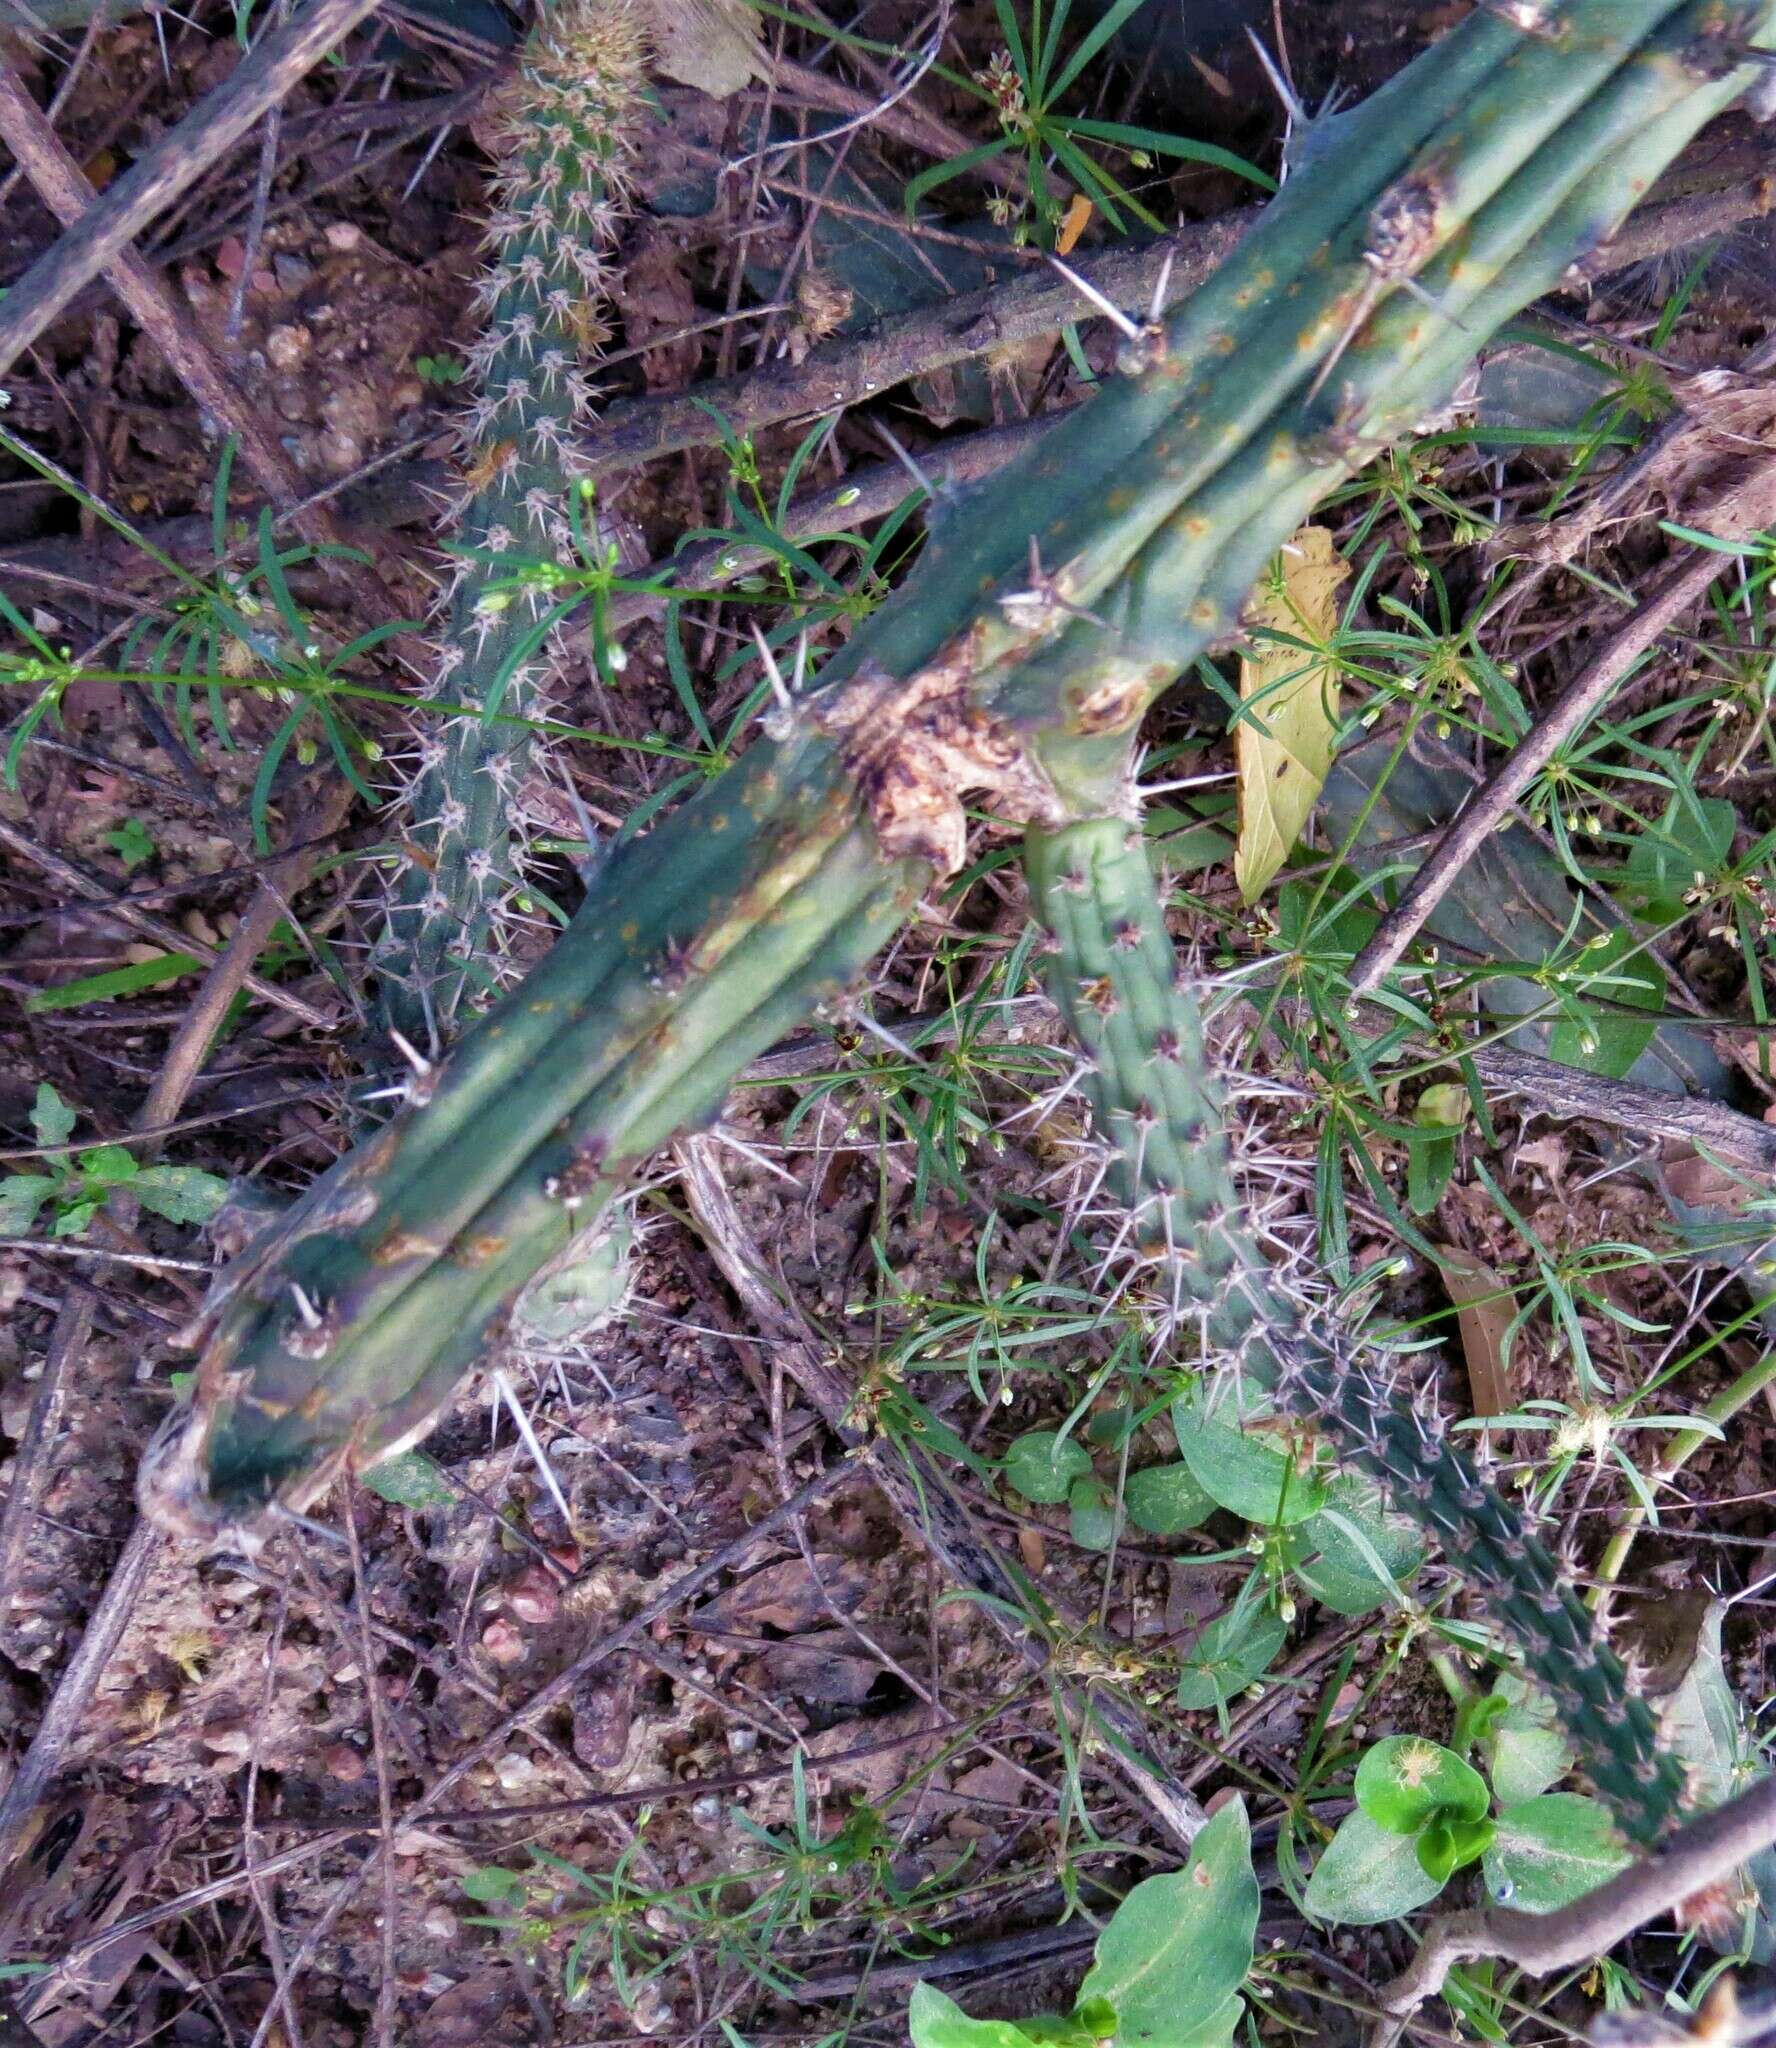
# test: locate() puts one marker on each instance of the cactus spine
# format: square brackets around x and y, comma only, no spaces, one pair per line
[564,134]
[1158,1106]
[351,1323]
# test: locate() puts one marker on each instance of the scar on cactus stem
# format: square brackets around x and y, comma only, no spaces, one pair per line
[564,134]
[914,748]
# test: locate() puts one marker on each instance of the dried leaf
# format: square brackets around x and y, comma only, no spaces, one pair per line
[1283,766]
[1484,1312]
[710,45]
[1077,220]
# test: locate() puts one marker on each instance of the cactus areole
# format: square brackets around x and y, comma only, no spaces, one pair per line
[1011,669]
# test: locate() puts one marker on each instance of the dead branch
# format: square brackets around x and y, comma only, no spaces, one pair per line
[1707,1850]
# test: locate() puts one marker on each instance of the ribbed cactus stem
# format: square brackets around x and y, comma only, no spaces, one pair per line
[564,132]
[1160,1109]
[767,891]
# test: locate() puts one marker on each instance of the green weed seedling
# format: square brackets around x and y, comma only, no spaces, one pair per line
[1166,1972]
[82,1180]
[1423,1813]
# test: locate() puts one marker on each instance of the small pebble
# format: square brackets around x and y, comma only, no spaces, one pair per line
[504,1642]
[533,1597]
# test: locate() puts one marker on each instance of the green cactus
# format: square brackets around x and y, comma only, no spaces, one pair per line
[564,132]
[351,1323]
[1159,1108]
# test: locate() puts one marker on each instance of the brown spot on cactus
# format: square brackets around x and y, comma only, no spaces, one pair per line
[403,1244]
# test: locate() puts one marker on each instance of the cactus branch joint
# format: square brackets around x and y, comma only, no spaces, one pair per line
[1012,668]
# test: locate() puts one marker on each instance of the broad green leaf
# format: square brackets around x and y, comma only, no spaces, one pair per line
[935,2021]
[21,1196]
[1283,747]
[410,1480]
[51,1118]
[182,1194]
[1524,1748]
[1689,843]
[1165,1500]
[1229,1654]
[1552,1850]
[1404,1781]
[1616,971]
[1367,1875]
[1701,1721]
[1092,1520]
[1043,1466]
[1248,1470]
[1179,1946]
[492,1886]
[1336,1569]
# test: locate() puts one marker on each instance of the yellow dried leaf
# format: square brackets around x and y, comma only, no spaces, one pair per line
[1078,219]
[1283,764]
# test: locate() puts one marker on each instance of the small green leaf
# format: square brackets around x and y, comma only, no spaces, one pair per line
[1445,1845]
[51,1118]
[935,2021]
[1179,1946]
[132,843]
[107,1166]
[21,1196]
[1165,1500]
[182,1194]
[1443,1106]
[410,1480]
[1552,1850]
[1231,1653]
[1043,1466]
[491,1886]
[1404,1781]
[1092,1520]
[1245,1470]
[1367,1875]
[72,1221]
